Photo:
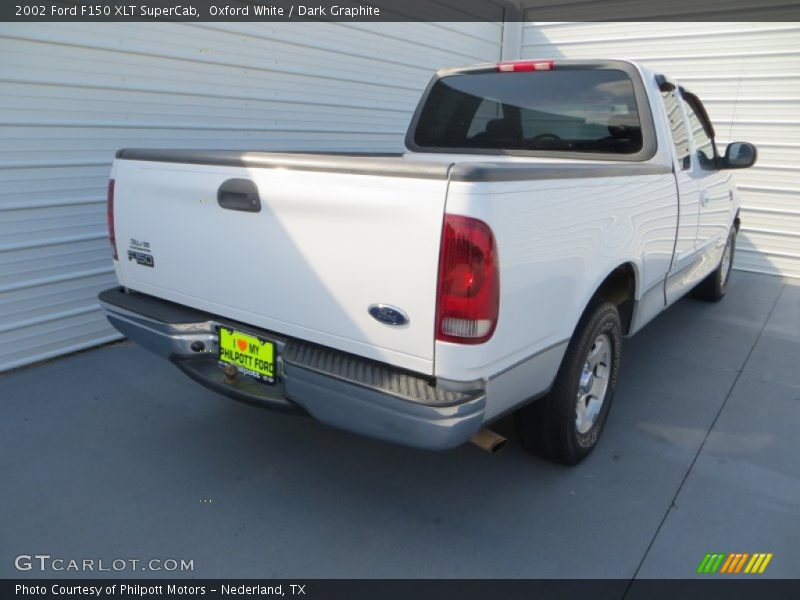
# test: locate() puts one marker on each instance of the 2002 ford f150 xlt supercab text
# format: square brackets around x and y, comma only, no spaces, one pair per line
[543,210]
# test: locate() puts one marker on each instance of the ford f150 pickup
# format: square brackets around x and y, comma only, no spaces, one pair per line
[543,211]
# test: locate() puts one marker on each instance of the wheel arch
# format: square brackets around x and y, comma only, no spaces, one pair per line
[621,287]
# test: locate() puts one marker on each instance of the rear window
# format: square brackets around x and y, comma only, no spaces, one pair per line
[569,110]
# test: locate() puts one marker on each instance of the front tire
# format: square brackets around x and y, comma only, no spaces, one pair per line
[565,426]
[714,287]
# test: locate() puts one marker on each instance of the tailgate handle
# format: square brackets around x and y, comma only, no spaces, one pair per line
[239,194]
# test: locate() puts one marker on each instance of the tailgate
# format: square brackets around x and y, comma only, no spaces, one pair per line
[328,243]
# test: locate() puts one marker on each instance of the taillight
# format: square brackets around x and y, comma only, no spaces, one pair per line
[110,215]
[525,65]
[468,298]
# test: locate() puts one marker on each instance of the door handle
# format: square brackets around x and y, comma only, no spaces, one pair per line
[239,194]
[703,198]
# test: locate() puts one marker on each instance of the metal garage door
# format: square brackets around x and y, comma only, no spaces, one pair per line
[748,76]
[71,94]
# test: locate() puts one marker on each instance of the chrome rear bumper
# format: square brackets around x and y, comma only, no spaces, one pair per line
[343,390]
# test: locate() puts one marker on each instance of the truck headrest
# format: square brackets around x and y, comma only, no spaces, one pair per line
[625,127]
[500,128]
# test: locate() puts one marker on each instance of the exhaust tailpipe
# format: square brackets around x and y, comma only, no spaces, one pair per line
[488,440]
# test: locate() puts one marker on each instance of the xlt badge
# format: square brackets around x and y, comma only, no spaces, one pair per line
[141,253]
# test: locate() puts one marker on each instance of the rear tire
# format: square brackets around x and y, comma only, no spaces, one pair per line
[565,426]
[714,287]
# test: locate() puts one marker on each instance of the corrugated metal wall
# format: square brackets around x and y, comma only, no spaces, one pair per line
[748,76]
[71,94]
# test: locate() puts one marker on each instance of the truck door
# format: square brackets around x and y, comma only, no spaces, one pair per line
[716,202]
[688,190]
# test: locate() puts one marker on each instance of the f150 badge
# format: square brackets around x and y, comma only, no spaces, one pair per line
[388,315]
[141,253]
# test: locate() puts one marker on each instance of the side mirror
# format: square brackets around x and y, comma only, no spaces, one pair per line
[739,155]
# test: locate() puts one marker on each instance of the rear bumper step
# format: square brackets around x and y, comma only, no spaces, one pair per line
[343,390]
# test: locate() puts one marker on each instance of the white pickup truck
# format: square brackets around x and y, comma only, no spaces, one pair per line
[543,211]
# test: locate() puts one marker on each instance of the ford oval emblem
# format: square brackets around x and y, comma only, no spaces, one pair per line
[388,315]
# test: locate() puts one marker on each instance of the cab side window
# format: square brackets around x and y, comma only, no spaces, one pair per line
[680,136]
[703,143]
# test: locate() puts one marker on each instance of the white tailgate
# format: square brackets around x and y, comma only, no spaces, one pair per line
[325,246]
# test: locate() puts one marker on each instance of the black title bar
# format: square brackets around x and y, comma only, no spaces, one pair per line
[366,11]
[403,589]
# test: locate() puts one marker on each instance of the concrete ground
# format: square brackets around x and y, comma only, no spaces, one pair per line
[114,453]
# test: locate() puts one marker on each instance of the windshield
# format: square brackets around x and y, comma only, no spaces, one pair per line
[572,110]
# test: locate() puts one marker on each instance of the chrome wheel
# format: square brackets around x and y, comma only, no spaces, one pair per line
[725,266]
[593,383]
